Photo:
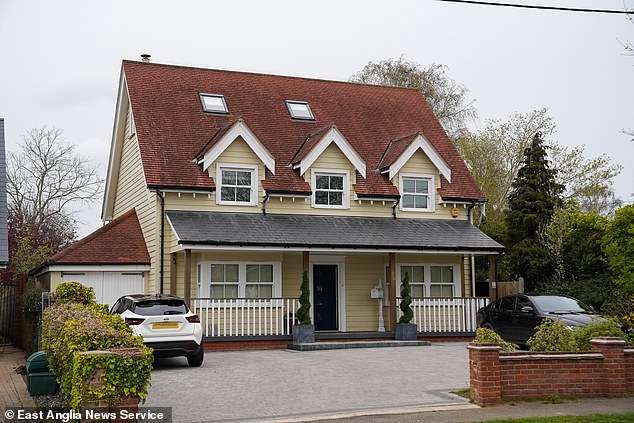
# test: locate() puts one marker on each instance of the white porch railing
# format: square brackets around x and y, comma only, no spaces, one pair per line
[445,314]
[246,316]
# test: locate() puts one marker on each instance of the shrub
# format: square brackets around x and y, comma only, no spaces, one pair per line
[487,335]
[74,292]
[553,335]
[32,303]
[608,327]
[70,328]
[303,313]
[406,300]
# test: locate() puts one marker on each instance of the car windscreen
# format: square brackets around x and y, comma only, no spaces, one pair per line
[159,307]
[554,304]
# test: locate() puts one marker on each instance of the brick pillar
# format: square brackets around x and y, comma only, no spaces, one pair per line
[614,377]
[484,364]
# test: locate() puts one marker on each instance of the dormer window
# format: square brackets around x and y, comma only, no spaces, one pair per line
[213,103]
[237,185]
[299,110]
[417,192]
[330,189]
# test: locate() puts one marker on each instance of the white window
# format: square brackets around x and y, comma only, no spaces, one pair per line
[240,279]
[132,125]
[223,281]
[417,192]
[430,280]
[442,281]
[237,185]
[213,103]
[416,280]
[330,189]
[299,110]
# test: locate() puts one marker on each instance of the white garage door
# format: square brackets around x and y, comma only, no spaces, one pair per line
[108,286]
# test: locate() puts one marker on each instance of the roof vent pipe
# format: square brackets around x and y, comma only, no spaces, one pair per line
[145,58]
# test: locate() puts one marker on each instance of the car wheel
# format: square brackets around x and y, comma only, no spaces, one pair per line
[197,359]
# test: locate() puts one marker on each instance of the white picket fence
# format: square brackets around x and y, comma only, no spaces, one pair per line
[445,315]
[246,316]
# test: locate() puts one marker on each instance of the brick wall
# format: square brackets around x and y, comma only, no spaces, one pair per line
[608,370]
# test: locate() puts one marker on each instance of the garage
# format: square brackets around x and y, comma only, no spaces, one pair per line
[108,286]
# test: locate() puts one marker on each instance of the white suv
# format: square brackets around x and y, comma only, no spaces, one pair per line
[165,323]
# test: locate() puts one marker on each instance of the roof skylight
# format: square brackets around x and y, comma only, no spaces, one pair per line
[299,110]
[214,103]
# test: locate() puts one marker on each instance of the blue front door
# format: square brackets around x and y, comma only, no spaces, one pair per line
[325,296]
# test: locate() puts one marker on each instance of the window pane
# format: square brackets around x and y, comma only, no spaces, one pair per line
[243,178]
[418,290]
[447,274]
[417,275]
[408,201]
[217,272]
[253,273]
[336,182]
[229,177]
[231,291]
[321,182]
[243,194]
[300,110]
[420,202]
[214,103]
[435,290]
[321,197]
[251,291]
[217,291]
[447,290]
[231,273]
[422,186]
[335,198]
[228,194]
[435,274]
[406,270]
[409,185]
[266,273]
[266,291]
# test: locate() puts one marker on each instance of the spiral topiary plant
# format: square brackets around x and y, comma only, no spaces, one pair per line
[406,301]
[303,313]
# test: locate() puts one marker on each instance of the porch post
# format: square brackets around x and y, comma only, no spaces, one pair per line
[306,260]
[492,277]
[188,277]
[173,273]
[392,267]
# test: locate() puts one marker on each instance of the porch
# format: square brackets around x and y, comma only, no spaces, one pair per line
[248,319]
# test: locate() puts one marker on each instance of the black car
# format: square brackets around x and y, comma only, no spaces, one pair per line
[515,317]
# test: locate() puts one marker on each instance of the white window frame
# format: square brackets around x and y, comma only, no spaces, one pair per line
[224,109]
[345,200]
[452,284]
[457,275]
[205,277]
[243,168]
[289,104]
[431,195]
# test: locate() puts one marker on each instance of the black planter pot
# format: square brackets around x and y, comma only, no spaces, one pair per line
[303,334]
[406,332]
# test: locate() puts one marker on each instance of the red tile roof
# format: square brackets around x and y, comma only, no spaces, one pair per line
[119,242]
[172,128]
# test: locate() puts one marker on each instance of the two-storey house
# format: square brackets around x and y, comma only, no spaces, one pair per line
[234,183]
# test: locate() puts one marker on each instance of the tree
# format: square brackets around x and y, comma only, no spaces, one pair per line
[303,312]
[619,248]
[406,301]
[448,99]
[46,184]
[588,181]
[532,203]
[494,156]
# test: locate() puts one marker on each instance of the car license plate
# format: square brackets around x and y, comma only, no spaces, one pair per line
[165,325]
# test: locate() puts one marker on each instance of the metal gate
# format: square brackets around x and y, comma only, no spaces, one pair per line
[7,314]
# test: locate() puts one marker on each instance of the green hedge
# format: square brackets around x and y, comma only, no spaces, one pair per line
[70,328]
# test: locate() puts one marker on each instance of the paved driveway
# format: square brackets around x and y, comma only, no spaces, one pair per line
[269,385]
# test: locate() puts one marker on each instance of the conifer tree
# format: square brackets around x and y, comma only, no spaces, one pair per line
[532,204]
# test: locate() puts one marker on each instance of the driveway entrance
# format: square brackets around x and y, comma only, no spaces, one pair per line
[280,384]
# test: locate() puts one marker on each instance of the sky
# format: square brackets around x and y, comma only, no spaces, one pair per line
[60,60]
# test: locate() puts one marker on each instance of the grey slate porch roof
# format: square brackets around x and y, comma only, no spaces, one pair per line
[328,232]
